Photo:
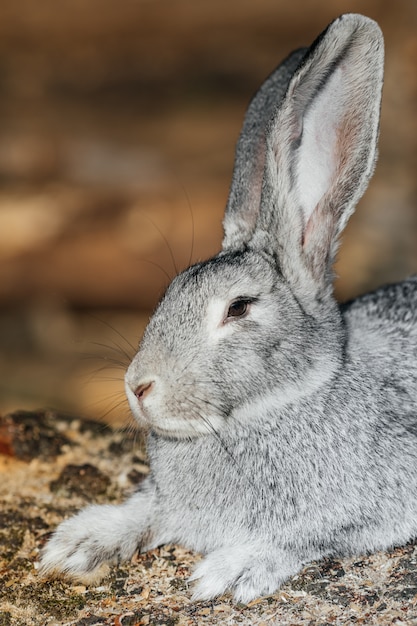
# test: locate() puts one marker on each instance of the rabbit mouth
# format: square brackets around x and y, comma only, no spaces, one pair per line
[174,417]
[174,428]
[184,427]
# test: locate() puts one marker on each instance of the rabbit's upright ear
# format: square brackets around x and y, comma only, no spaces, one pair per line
[245,192]
[320,151]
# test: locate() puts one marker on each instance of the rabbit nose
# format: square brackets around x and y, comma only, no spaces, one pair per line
[143,390]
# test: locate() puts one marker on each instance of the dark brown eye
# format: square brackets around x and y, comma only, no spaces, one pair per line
[238,308]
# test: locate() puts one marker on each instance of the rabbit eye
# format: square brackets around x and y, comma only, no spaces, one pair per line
[238,308]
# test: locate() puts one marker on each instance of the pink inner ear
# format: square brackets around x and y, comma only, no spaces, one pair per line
[318,157]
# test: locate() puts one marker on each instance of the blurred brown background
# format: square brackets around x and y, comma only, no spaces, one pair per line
[117,129]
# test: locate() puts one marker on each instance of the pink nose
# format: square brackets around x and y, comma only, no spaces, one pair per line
[143,390]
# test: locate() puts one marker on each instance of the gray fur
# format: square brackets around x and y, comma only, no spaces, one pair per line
[288,433]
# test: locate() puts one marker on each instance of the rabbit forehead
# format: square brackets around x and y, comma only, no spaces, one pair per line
[222,278]
[226,276]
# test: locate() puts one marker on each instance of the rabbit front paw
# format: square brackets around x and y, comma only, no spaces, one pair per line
[83,546]
[238,569]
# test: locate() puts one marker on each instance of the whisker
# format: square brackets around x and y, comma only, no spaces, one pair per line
[96,376]
[112,363]
[115,348]
[107,364]
[131,428]
[110,379]
[190,210]
[116,393]
[211,430]
[115,330]
[205,401]
[113,407]
[187,197]
[163,270]
[108,360]
[171,254]
[110,396]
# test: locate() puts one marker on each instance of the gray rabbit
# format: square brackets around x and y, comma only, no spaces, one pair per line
[282,426]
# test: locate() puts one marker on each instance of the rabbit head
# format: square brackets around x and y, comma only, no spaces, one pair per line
[258,323]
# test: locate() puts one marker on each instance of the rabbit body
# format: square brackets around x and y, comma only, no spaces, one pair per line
[282,426]
[285,485]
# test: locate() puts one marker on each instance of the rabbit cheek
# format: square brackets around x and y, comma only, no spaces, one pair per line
[155,406]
